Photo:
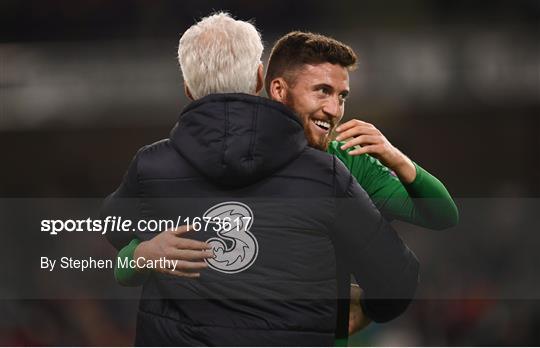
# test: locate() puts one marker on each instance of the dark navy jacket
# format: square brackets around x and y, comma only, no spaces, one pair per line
[303,225]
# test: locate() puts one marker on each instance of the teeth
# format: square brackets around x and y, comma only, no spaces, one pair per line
[323,124]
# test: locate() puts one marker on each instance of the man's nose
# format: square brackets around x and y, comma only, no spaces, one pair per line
[332,108]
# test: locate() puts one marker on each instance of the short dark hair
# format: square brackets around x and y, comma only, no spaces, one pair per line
[297,48]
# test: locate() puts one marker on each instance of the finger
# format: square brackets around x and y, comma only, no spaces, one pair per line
[190,266]
[361,140]
[350,124]
[191,255]
[181,230]
[185,243]
[356,131]
[363,150]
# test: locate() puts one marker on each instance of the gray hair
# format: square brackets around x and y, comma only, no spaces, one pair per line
[220,55]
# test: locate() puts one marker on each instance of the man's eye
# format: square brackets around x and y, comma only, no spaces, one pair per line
[324,90]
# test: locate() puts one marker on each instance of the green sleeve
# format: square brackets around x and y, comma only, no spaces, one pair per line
[341,342]
[129,276]
[432,206]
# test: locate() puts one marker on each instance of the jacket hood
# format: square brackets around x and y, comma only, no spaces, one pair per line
[237,139]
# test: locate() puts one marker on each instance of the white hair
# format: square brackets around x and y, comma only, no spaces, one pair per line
[220,55]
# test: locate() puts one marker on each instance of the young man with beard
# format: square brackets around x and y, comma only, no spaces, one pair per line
[310,74]
[302,75]
[272,279]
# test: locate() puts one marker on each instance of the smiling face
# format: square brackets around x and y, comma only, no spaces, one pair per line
[317,92]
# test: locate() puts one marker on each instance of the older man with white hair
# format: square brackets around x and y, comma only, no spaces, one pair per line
[221,55]
[270,216]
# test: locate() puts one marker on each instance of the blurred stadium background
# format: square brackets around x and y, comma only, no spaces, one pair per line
[454,84]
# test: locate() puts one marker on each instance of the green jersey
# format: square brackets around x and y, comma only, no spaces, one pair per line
[433,207]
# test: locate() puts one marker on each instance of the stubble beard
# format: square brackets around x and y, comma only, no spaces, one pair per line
[319,143]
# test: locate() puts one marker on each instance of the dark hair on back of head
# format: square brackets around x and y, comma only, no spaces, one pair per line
[298,48]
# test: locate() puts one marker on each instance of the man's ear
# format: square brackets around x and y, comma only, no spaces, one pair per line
[278,89]
[188,92]
[260,79]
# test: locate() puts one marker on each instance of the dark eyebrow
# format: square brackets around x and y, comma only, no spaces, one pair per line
[344,93]
[321,85]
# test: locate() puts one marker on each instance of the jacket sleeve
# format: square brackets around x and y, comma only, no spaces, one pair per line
[124,202]
[383,265]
